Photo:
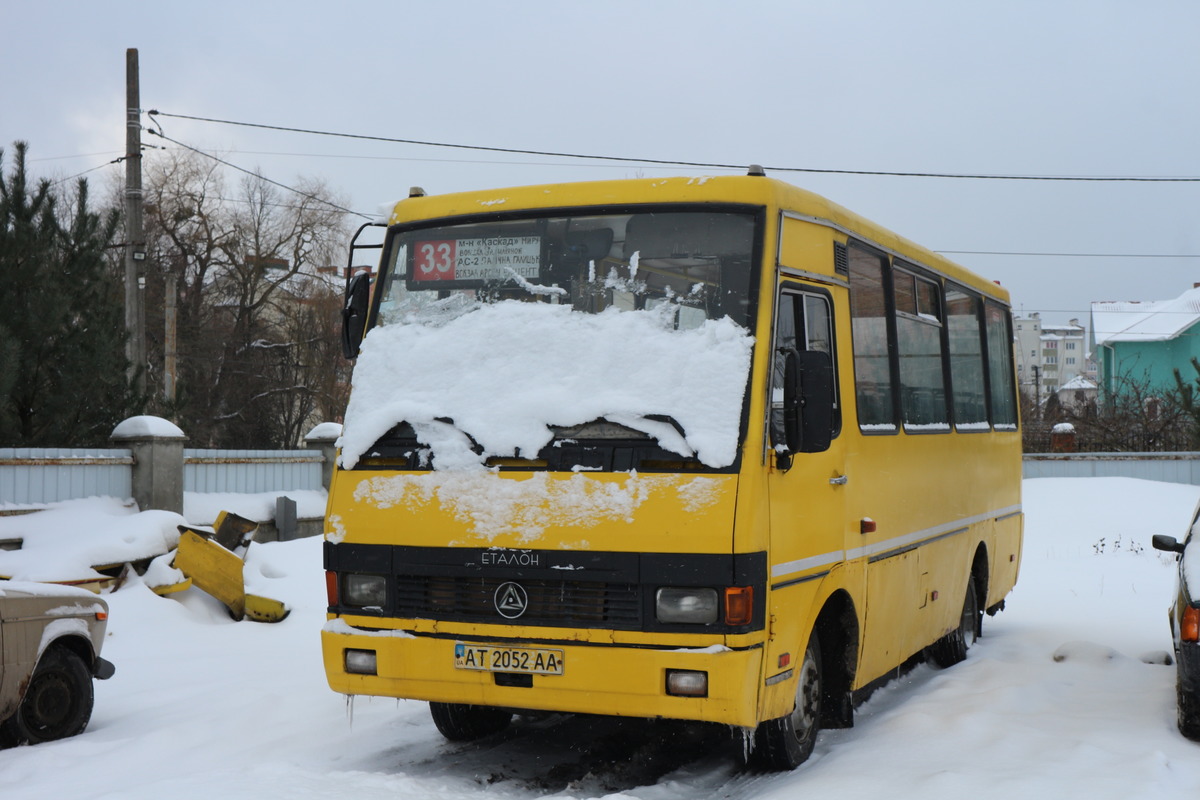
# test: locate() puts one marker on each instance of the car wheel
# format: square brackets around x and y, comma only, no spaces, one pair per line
[787,742]
[464,723]
[1189,712]
[952,648]
[57,702]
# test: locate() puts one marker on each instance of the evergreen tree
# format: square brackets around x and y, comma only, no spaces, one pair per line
[1188,395]
[62,337]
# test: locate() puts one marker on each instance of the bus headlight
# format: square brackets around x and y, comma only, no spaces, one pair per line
[686,604]
[364,590]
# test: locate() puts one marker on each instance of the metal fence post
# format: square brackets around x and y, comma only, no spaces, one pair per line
[157,448]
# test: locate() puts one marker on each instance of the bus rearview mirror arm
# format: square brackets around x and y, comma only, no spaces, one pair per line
[354,313]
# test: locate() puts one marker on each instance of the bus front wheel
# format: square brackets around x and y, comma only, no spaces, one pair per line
[459,722]
[787,742]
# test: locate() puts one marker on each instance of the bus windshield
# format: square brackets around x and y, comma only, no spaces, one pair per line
[521,337]
[697,262]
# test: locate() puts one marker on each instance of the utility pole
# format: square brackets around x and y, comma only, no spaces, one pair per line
[170,339]
[1037,390]
[135,246]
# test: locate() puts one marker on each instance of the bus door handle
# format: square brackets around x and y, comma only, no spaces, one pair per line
[840,480]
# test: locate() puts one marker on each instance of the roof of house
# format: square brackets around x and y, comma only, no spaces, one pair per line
[1148,321]
[1078,382]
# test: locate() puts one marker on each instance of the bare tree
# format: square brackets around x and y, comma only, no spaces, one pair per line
[1133,415]
[246,263]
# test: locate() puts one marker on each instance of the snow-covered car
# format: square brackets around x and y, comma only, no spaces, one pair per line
[1185,626]
[50,640]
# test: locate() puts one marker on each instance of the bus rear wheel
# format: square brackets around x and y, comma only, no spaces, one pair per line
[952,648]
[465,723]
[786,743]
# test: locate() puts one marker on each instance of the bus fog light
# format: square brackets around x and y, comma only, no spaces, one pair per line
[361,662]
[687,683]
[680,604]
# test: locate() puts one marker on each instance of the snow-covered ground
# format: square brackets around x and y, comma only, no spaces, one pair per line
[1059,699]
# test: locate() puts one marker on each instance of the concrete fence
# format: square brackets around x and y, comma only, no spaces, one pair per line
[1169,467]
[151,466]
[46,475]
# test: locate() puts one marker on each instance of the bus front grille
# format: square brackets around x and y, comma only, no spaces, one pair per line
[550,602]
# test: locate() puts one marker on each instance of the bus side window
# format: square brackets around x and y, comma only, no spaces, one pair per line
[967,363]
[1000,366]
[919,322]
[869,330]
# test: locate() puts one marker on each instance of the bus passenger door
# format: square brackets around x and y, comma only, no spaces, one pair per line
[806,489]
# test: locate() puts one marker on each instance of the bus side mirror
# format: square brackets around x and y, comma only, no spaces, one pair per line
[808,401]
[354,313]
[1168,544]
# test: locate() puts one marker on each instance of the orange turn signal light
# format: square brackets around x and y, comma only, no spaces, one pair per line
[331,587]
[739,605]
[1189,629]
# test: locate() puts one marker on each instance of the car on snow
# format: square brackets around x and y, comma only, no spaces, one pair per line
[1185,625]
[50,640]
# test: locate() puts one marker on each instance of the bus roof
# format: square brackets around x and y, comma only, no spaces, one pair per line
[739,189]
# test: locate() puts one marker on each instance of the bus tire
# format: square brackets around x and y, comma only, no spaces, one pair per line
[1188,710]
[952,648]
[786,743]
[459,722]
[57,702]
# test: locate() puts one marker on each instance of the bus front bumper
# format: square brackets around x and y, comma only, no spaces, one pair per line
[595,678]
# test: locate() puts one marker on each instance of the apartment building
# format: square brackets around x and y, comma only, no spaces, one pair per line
[1048,356]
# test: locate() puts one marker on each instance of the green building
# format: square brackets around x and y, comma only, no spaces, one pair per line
[1143,343]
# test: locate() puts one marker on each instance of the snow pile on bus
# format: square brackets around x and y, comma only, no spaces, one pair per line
[504,373]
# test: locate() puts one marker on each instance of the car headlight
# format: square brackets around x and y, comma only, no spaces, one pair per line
[686,604]
[364,590]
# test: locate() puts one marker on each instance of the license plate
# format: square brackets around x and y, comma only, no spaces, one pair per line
[508,659]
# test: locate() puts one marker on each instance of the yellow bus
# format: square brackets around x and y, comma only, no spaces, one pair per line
[708,449]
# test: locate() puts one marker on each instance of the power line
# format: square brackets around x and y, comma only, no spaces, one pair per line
[65,158]
[154,112]
[669,162]
[259,176]
[86,171]
[740,168]
[365,216]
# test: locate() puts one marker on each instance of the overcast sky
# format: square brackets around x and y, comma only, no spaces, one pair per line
[1037,88]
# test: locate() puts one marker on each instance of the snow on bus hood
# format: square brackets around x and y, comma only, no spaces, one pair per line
[505,372]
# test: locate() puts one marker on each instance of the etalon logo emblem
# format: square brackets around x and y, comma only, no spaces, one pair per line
[510,600]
